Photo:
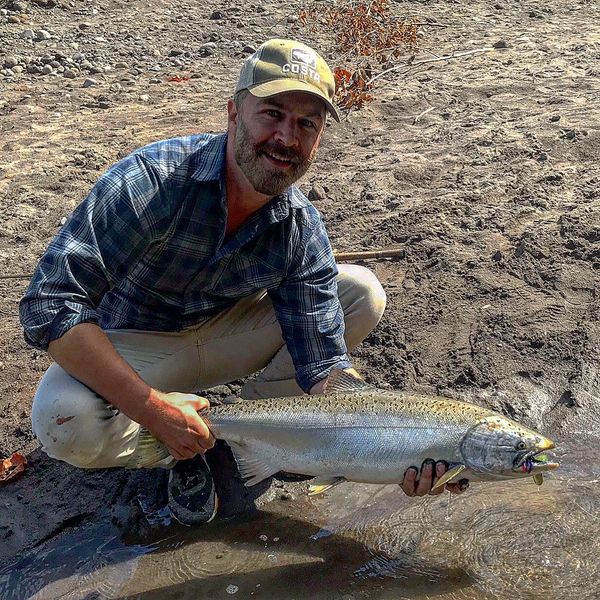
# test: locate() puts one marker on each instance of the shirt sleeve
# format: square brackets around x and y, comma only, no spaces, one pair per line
[100,242]
[310,313]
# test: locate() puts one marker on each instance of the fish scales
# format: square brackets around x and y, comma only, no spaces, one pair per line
[363,437]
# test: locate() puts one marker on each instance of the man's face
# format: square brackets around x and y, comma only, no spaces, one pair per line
[276,138]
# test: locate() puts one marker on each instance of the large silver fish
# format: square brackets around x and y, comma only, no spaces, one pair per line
[357,432]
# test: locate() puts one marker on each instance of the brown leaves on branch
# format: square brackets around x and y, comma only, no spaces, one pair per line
[366,33]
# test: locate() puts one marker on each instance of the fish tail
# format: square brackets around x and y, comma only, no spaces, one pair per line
[149,452]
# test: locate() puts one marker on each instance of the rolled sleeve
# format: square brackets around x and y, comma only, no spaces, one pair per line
[99,243]
[309,311]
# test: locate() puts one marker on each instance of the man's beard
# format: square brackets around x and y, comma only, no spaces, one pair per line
[270,182]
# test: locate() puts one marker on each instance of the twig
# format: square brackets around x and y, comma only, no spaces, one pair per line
[431,24]
[23,276]
[455,54]
[369,254]
[418,117]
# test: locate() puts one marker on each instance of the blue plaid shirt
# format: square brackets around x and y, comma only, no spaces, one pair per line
[147,250]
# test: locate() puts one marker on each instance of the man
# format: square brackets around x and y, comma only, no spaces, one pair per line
[193,262]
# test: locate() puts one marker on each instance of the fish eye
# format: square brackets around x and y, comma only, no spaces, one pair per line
[521,446]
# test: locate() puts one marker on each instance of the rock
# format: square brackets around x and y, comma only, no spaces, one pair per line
[85,25]
[33,69]
[17,69]
[69,74]
[554,118]
[13,19]
[216,14]
[500,44]
[249,49]
[316,193]
[10,62]
[292,19]
[42,34]
[176,52]
[19,7]
[207,49]
[121,65]
[46,70]
[27,34]
[155,80]
[144,98]
[89,82]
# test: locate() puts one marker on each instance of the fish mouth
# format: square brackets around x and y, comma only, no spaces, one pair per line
[534,461]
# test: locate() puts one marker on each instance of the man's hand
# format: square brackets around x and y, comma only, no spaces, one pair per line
[173,418]
[430,473]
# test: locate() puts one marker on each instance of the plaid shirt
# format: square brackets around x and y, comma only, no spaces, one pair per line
[147,250]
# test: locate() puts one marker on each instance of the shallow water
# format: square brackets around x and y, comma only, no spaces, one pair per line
[509,540]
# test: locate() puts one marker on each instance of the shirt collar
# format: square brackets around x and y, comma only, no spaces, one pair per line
[210,157]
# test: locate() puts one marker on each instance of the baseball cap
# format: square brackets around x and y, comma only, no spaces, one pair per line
[288,66]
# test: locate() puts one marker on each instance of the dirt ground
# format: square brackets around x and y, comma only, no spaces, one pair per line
[493,195]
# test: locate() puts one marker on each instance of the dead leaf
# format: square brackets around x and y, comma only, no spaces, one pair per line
[11,467]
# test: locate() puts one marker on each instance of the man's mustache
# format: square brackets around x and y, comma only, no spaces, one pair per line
[280,151]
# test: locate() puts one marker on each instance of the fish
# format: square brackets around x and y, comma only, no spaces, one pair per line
[358,432]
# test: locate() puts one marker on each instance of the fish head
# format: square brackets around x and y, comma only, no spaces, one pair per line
[501,449]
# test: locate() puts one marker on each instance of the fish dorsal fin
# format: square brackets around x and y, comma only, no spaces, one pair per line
[340,381]
[448,476]
[321,484]
[252,469]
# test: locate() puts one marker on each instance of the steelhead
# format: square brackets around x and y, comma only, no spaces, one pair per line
[357,432]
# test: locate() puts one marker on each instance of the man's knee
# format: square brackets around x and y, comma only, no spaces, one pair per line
[63,419]
[362,297]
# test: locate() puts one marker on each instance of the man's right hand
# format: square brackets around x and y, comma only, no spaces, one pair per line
[173,418]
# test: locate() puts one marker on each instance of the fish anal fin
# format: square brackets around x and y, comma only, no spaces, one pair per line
[253,470]
[321,484]
[339,381]
[448,476]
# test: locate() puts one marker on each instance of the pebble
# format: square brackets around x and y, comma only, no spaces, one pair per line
[85,25]
[42,34]
[207,49]
[47,69]
[317,193]
[263,538]
[19,6]
[501,44]
[13,19]
[89,82]
[27,34]
[232,589]
[217,14]
[121,65]
[249,49]
[10,62]
[70,74]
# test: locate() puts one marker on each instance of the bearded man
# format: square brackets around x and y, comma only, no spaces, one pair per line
[193,262]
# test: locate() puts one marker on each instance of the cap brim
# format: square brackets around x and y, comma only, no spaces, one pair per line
[279,86]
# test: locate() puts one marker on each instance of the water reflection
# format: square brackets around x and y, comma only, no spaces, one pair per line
[498,541]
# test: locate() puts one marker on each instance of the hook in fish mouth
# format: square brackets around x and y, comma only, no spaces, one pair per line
[533,461]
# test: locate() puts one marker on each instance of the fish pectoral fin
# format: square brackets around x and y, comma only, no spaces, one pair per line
[340,381]
[321,484]
[538,478]
[253,470]
[448,476]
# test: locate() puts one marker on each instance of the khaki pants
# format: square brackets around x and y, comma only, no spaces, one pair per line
[76,425]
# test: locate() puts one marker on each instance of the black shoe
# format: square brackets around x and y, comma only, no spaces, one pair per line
[192,497]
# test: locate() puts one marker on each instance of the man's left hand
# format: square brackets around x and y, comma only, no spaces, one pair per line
[430,473]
